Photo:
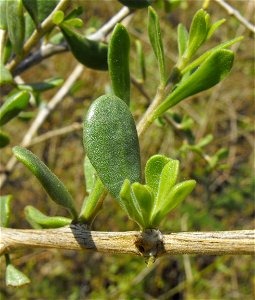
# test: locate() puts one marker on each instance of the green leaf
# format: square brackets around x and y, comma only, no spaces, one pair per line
[5,75]
[32,8]
[3,21]
[16,24]
[5,210]
[145,200]
[13,106]
[204,56]
[76,12]
[141,61]
[118,62]
[205,141]
[33,215]
[214,27]
[29,26]
[136,3]
[153,170]
[156,42]
[4,139]
[75,22]
[90,53]
[53,186]
[93,203]
[213,70]
[42,86]
[130,204]
[14,277]
[111,142]
[183,37]
[58,17]
[90,174]
[197,34]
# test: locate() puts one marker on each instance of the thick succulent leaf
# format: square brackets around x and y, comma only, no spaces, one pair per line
[3,21]
[153,170]
[58,17]
[53,186]
[118,62]
[5,210]
[214,27]
[93,203]
[90,174]
[13,105]
[90,53]
[15,24]
[197,34]
[4,139]
[168,179]
[156,42]
[5,75]
[14,277]
[136,3]
[203,57]
[145,200]
[141,60]
[34,215]
[177,194]
[213,70]
[130,204]
[183,37]
[111,142]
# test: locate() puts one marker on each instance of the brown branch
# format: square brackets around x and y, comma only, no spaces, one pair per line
[149,243]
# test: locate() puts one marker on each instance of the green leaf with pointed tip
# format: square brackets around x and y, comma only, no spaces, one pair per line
[205,141]
[183,37]
[43,220]
[58,17]
[213,70]
[45,85]
[15,24]
[14,104]
[197,34]
[90,53]
[204,56]
[145,200]
[93,203]
[118,62]
[141,61]
[29,26]
[5,210]
[214,27]
[4,139]
[75,22]
[136,3]
[53,186]
[168,179]
[130,204]
[14,277]
[153,170]
[5,75]
[3,21]
[156,42]
[76,12]
[111,142]
[32,9]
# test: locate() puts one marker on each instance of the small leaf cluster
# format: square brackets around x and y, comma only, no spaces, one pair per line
[148,204]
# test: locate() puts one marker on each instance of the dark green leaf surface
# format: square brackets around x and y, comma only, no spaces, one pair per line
[90,53]
[111,142]
[13,106]
[32,8]
[5,210]
[4,139]
[15,24]
[53,186]
[118,62]
[156,42]
[136,3]
[35,216]
[42,86]
[213,70]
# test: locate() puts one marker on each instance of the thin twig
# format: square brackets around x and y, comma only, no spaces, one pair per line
[234,12]
[140,88]
[75,237]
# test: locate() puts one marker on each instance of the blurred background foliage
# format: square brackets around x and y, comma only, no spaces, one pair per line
[222,200]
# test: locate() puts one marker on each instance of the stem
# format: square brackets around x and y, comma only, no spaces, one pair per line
[46,26]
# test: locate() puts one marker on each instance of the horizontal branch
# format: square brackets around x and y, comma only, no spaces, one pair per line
[149,243]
